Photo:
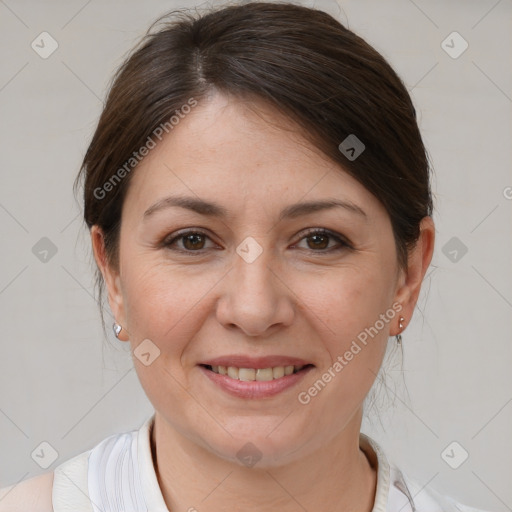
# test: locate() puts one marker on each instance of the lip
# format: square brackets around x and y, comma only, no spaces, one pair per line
[255,389]
[241,361]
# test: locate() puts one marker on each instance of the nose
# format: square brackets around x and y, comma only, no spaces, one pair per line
[255,297]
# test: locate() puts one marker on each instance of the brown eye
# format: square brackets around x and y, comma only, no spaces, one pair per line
[320,240]
[193,241]
[188,241]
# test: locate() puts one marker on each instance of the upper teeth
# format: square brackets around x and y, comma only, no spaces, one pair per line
[249,374]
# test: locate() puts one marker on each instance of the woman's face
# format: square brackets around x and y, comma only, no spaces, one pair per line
[252,285]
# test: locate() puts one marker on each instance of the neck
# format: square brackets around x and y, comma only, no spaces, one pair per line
[337,477]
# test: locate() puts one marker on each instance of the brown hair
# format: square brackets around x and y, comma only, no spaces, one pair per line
[299,60]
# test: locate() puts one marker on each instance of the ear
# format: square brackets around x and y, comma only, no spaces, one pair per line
[411,278]
[111,278]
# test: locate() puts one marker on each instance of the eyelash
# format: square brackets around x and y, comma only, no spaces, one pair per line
[343,244]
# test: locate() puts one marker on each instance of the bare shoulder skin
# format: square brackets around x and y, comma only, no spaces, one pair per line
[34,494]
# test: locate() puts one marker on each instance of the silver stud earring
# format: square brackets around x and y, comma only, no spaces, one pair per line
[401,326]
[117,329]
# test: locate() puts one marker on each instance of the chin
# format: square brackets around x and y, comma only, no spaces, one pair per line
[264,444]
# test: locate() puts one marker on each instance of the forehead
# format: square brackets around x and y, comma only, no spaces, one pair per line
[231,150]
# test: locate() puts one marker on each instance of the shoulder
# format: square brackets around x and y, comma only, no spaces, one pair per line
[399,491]
[34,494]
[427,499]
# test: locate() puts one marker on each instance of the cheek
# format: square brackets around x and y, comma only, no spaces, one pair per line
[165,304]
[352,314]
[346,302]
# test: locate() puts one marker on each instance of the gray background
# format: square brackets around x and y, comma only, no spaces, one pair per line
[62,383]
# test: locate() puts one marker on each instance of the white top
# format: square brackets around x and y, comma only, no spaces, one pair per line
[118,475]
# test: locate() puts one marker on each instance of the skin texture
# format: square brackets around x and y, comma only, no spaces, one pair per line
[34,494]
[299,298]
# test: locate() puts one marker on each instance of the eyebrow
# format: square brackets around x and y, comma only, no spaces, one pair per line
[212,209]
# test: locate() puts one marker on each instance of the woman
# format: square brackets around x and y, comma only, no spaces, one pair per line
[257,193]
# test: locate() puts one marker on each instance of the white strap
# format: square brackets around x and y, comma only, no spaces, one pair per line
[113,475]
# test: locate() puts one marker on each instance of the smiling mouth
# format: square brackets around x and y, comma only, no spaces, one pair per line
[256,374]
